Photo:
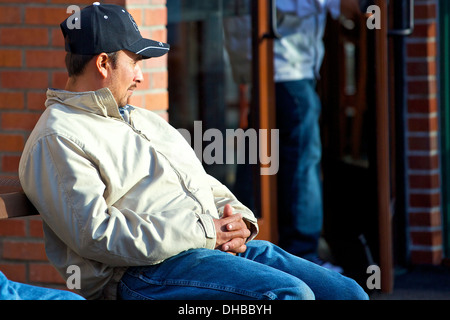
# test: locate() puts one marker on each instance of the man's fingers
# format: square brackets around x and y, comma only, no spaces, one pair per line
[232,222]
[238,234]
[227,211]
[237,245]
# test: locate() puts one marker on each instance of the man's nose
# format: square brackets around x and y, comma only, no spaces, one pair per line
[138,77]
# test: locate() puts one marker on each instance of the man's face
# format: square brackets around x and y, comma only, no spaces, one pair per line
[125,77]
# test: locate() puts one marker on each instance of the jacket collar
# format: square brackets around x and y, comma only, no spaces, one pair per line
[99,102]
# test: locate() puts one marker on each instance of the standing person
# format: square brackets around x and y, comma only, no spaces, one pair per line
[298,59]
[123,196]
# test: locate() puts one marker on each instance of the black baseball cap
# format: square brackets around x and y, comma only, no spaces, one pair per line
[107,28]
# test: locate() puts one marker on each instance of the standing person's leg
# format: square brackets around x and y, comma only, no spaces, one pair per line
[300,207]
[205,274]
[326,284]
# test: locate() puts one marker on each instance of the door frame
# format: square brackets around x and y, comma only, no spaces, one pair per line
[382,149]
[263,98]
[444,31]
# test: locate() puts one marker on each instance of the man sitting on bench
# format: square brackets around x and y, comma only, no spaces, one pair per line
[123,196]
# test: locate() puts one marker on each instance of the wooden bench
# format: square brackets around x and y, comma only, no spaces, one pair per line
[13,201]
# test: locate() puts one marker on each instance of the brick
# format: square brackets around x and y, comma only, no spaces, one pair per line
[422,105]
[21,250]
[430,256]
[424,181]
[160,2]
[145,84]
[57,39]
[10,15]
[11,142]
[425,124]
[21,79]
[45,58]
[423,162]
[137,100]
[164,115]
[426,49]
[154,17]
[425,219]
[22,1]
[21,121]
[36,100]
[426,30]
[23,36]
[44,273]
[155,63]
[425,11]
[136,2]
[423,143]
[14,271]
[59,80]
[77,2]
[425,200]
[157,101]
[12,228]
[159,80]
[423,68]
[138,15]
[10,164]
[10,58]
[35,228]
[45,15]
[159,34]
[11,100]
[422,87]
[424,238]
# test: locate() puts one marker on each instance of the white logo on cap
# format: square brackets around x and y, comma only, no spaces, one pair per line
[133,22]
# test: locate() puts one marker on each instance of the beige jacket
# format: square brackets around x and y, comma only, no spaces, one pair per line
[114,195]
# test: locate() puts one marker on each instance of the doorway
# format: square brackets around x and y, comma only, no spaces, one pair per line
[216,87]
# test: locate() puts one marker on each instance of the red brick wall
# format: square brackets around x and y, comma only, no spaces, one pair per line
[424,193]
[31,60]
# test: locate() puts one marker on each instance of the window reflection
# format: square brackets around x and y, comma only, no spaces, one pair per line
[208,80]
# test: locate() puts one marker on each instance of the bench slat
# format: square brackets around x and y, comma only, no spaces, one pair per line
[13,201]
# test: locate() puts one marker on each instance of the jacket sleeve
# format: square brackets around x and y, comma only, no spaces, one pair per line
[223,196]
[67,189]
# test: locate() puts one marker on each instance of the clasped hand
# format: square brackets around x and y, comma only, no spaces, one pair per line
[231,232]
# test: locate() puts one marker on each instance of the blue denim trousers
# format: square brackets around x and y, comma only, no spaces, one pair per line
[263,272]
[11,290]
[300,207]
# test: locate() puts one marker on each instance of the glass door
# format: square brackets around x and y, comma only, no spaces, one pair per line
[213,98]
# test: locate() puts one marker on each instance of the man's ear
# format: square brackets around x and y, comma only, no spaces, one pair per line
[101,63]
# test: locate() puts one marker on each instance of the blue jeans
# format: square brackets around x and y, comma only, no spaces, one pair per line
[10,290]
[300,207]
[263,272]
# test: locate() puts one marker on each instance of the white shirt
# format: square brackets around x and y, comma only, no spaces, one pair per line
[299,53]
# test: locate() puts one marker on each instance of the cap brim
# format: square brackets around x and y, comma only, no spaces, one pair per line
[149,48]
